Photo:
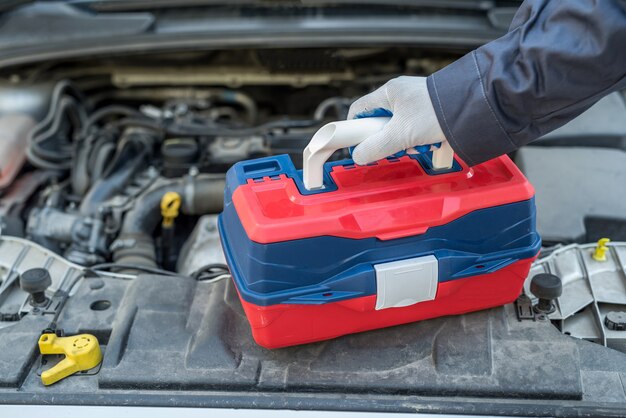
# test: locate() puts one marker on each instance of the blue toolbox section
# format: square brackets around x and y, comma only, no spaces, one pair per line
[307,270]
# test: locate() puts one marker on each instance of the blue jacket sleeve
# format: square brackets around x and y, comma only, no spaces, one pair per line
[558,58]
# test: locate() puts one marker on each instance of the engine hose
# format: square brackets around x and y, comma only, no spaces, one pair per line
[94,144]
[243,100]
[133,152]
[201,194]
[65,103]
[339,104]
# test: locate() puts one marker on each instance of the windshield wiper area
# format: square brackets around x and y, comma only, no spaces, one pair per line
[60,21]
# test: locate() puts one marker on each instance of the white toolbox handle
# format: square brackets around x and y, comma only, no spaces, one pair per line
[349,133]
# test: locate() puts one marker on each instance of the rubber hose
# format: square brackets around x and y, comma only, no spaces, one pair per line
[133,152]
[201,195]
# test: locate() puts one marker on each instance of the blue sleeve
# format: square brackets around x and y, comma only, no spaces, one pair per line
[558,58]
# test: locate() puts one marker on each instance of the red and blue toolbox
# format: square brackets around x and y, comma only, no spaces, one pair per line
[380,245]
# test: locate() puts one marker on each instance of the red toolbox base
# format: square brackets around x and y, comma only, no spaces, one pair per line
[284,325]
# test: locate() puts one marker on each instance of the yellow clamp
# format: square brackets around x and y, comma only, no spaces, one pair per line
[170,204]
[82,352]
[599,254]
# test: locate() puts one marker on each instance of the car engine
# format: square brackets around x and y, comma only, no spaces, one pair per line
[100,175]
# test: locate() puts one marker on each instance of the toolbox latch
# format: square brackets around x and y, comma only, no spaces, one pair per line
[406,282]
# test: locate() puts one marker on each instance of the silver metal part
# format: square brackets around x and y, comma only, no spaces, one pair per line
[231,150]
[231,77]
[591,289]
[18,255]
[52,223]
[202,248]
[84,238]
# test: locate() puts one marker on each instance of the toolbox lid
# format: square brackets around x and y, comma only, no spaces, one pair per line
[389,199]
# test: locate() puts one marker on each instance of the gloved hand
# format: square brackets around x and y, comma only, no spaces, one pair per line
[413,123]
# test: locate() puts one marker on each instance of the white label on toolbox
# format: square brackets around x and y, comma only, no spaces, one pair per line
[406,282]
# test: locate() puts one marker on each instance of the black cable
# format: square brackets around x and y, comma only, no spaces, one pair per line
[111,110]
[52,327]
[151,270]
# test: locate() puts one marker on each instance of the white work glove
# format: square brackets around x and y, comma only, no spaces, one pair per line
[413,123]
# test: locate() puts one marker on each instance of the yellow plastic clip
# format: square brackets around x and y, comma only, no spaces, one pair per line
[170,204]
[82,352]
[599,254]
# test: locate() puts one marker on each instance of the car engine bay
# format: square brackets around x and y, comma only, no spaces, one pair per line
[112,173]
